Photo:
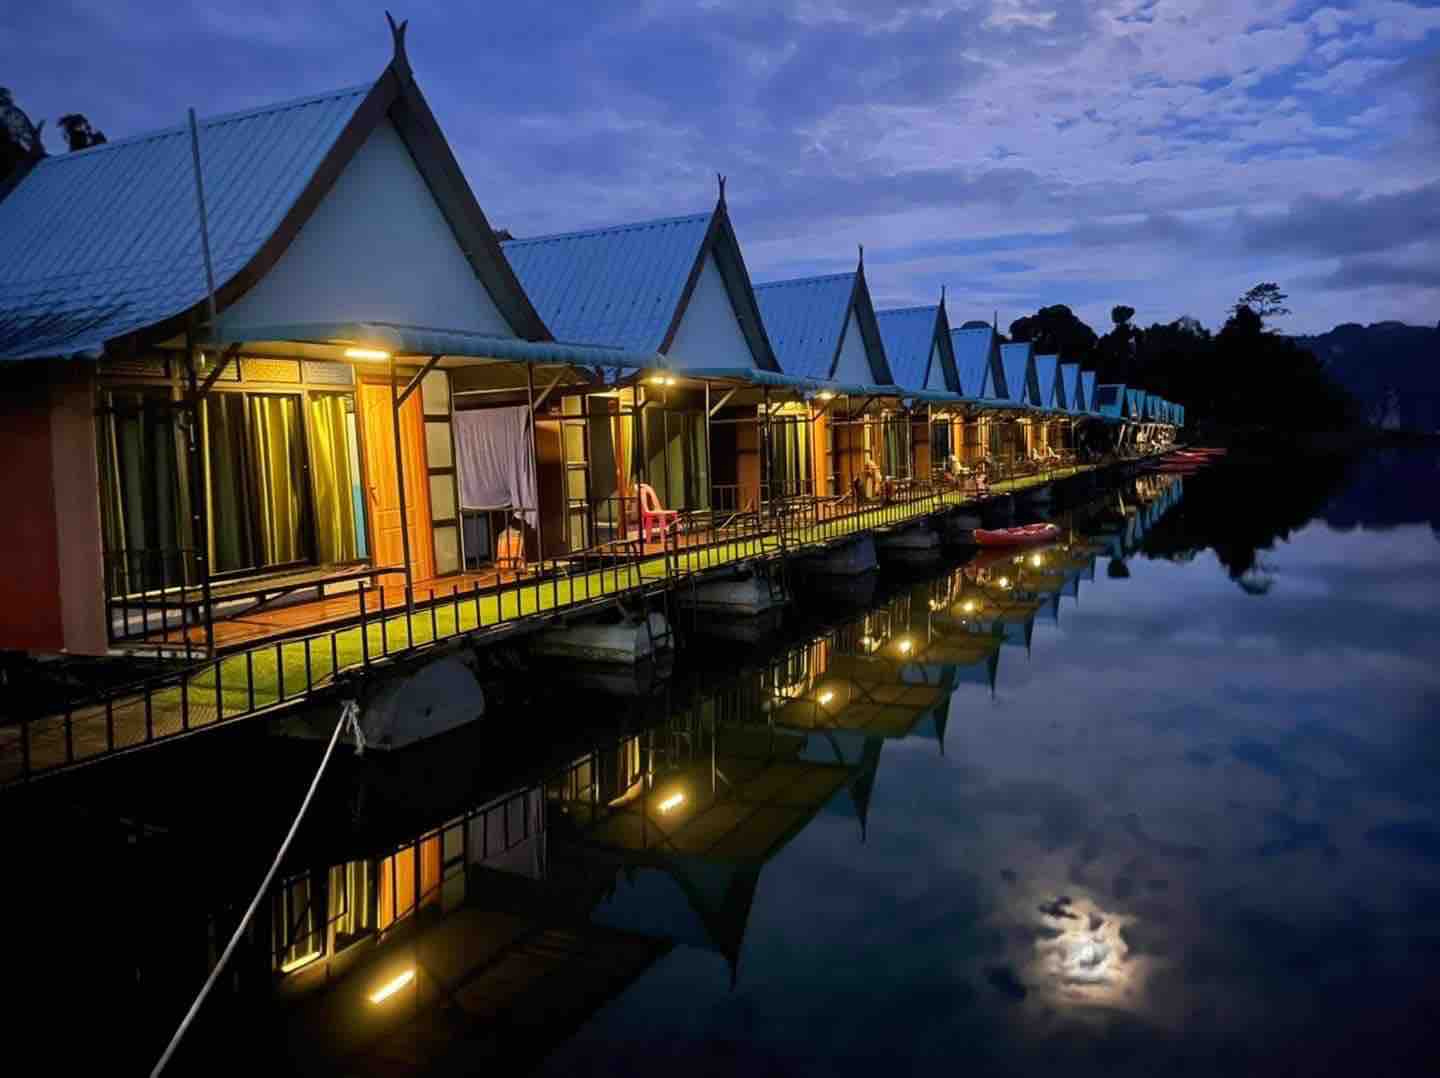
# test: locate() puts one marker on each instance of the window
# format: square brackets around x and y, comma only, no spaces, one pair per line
[141,507]
[789,456]
[352,902]
[297,934]
[255,472]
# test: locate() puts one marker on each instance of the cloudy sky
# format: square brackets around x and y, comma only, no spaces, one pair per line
[1166,154]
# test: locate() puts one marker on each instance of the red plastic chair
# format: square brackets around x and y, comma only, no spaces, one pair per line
[655,519]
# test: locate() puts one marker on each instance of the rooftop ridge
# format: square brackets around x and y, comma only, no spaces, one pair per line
[796,281]
[632,226]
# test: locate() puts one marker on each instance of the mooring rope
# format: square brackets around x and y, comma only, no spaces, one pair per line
[349,716]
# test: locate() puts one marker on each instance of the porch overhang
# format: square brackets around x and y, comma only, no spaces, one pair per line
[455,347]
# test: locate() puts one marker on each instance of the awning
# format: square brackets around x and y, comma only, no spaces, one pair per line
[402,340]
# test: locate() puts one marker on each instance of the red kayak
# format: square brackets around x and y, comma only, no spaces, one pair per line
[1030,533]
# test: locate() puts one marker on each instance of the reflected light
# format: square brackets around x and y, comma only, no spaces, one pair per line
[298,963]
[1036,560]
[673,801]
[366,353]
[1004,581]
[389,988]
[826,696]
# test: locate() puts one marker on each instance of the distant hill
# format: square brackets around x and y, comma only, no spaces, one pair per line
[1391,368]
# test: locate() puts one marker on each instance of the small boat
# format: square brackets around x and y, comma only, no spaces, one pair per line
[1028,533]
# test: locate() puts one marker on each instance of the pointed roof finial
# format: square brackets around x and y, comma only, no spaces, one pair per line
[721,180]
[399,61]
[942,295]
[862,256]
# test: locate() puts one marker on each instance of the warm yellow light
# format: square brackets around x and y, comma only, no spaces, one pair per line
[297,963]
[824,395]
[657,380]
[1004,581]
[389,988]
[826,696]
[905,646]
[669,381]
[673,801]
[1036,560]
[366,353]
[968,606]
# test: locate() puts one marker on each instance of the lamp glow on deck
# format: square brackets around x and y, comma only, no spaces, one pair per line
[968,606]
[826,696]
[367,353]
[1004,581]
[824,395]
[675,800]
[390,987]
[1036,560]
[905,646]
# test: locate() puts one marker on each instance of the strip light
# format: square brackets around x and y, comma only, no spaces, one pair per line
[673,801]
[389,988]
[366,353]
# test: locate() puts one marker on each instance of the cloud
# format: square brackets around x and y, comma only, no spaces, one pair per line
[1348,224]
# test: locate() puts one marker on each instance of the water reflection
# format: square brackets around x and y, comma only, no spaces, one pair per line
[1062,817]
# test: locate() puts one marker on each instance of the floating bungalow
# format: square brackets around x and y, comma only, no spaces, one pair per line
[921,355]
[824,330]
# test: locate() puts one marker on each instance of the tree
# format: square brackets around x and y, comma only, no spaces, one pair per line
[1266,300]
[1121,315]
[19,138]
[79,135]
[1055,330]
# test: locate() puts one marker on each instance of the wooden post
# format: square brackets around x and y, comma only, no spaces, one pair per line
[709,463]
[400,487]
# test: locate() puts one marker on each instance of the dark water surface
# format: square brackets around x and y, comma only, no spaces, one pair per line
[1166,802]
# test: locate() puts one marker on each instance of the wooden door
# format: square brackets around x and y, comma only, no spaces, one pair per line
[384,494]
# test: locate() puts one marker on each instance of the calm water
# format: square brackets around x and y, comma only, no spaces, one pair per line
[1166,801]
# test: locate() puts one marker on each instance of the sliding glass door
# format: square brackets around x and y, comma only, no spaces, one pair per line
[256,482]
[336,478]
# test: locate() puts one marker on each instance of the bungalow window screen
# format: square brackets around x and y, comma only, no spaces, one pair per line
[789,456]
[255,453]
[141,505]
[896,446]
[939,443]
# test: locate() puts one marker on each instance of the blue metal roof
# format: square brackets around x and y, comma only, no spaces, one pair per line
[972,359]
[105,241]
[1134,403]
[1109,400]
[1017,359]
[619,287]
[1047,373]
[1087,384]
[909,337]
[1074,390]
[804,319]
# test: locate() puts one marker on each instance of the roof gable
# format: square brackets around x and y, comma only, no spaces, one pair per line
[1047,375]
[1074,387]
[807,318]
[107,244]
[1134,403]
[379,213]
[977,361]
[1018,359]
[1087,389]
[917,347]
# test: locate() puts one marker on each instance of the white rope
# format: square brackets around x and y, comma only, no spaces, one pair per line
[349,716]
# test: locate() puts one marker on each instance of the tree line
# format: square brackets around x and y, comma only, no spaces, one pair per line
[1244,375]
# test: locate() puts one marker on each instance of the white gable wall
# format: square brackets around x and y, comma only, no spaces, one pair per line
[854,363]
[709,334]
[935,377]
[376,249]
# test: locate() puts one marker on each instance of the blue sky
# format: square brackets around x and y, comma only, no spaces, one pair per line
[1166,154]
